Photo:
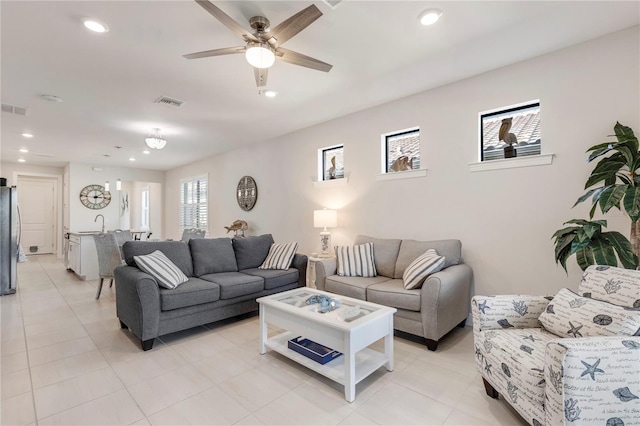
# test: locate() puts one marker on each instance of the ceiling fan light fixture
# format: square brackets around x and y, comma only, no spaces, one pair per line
[155,140]
[430,16]
[260,55]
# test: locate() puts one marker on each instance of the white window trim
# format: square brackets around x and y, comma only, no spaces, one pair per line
[145,210]
[489,111]
[383,148]
[191,179]
[320,161]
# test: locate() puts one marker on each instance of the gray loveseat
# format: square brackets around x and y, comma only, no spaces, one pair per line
[429,312]
[224,281]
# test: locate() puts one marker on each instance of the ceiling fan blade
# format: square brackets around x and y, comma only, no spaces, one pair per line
[296,58]
[226,20]
[292,26]
[216,52]
[261,76]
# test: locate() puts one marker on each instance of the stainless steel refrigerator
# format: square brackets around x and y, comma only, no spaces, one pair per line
[9,239]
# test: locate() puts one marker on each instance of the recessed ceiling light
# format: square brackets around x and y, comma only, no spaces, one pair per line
[27,135]
[95,26]
[23,150]
[430,16]
[146,151]
[21,160]
[132,159]
[270,93]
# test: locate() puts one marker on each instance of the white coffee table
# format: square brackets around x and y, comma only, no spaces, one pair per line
[349,329]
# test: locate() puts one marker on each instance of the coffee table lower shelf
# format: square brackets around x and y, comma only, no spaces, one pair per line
[367,360]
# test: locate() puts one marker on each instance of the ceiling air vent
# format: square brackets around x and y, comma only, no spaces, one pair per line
[12,109]
[165,100]
[333,3]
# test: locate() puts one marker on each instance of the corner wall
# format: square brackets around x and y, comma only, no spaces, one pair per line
[504,218]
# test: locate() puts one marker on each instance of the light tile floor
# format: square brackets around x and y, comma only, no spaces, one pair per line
[65,361]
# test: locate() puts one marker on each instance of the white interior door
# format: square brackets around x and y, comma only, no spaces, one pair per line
[36,198]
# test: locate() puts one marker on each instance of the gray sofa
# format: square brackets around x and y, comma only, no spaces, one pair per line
[429,312]
[224,281]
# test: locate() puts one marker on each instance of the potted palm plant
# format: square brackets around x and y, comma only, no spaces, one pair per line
[614,182]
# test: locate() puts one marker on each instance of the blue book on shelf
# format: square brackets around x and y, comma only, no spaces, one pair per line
[313,350]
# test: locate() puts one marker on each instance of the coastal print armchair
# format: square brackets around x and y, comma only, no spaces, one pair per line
[571,359]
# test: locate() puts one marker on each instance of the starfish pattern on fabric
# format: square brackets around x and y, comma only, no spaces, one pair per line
[483,306]
[591,370]
[574,330]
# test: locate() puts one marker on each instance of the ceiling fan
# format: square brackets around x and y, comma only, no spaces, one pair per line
[263,46]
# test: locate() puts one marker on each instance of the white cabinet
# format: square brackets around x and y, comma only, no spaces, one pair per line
[82,256]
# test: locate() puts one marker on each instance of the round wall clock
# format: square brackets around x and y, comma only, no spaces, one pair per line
[95,197]
[247,193]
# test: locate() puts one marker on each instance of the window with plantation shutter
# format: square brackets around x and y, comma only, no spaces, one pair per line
[193,202]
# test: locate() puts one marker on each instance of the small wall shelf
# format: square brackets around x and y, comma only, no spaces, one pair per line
[511,163]
[409,174]
[331,183]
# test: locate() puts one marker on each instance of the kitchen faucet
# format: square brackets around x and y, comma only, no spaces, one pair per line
[96,219]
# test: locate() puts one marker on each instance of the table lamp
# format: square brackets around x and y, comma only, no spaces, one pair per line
[325,219]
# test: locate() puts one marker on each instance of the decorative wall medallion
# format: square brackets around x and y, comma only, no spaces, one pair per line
[247,193]
[95,197]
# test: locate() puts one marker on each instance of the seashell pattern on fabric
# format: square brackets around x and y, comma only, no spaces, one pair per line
[616,285]
[552,380]
[591,318]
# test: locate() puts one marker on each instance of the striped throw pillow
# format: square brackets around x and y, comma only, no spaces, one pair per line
[280,256]
[425,265]
[166,273]
[356,261]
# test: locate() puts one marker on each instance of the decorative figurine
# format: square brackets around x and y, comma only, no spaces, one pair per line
[238,226]
[508,138]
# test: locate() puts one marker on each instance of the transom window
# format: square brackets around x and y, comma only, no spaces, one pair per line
[331,162]
[401,150]
[516,126]
[193,202]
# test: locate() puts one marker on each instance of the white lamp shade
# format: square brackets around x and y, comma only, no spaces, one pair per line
[260,56]
[325,218]
[155,140]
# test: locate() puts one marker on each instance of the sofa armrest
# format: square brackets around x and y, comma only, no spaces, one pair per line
[507,311]
[324,268]
[300,263]
[445,300]
[592,379]
[137,301]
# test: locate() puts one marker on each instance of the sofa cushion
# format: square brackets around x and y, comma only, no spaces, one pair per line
[193,292]
[411,249]
[616,285]
[279,256]
[515,357]
[235,284]
[426,264]
[356,261]
[212,255]
[251,251]
[385,253]
[177,251]
[274,278]
[392,293]
[165,272]
[570,315]
[355,287]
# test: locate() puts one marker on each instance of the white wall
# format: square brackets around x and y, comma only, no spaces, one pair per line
[504,218]
[81,175]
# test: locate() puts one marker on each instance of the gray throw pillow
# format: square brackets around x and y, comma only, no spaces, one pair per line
[212,255]
[251,251]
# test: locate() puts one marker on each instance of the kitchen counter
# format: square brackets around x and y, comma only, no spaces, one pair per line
[82,257]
